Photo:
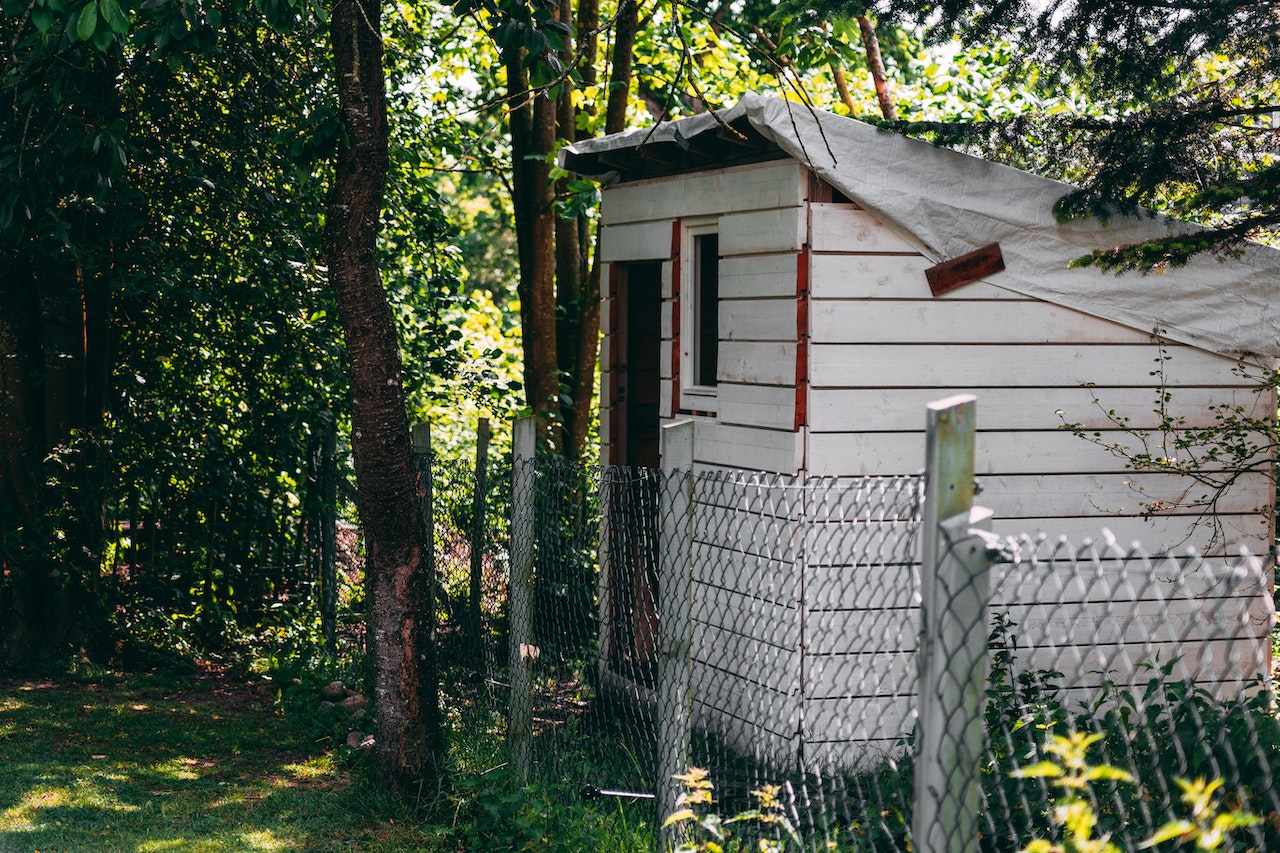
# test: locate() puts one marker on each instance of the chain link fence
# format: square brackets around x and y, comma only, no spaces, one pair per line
[862,644]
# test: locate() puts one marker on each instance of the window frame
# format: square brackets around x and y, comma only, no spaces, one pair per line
[693,396]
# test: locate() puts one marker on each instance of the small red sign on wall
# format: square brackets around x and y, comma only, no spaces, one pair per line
[963,269]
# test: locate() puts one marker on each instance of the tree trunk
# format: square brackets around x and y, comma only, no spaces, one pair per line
[876,66]
[588,336]
[409,739]
[568,266]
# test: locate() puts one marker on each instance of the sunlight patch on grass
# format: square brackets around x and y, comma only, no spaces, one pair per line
[9,704]
[21,817]
[313,769]
[156,845]
[183,768]
[264,839]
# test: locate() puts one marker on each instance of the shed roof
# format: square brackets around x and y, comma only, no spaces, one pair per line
[954,203]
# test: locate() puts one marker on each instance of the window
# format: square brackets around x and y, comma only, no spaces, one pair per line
[699,316]
[706,289]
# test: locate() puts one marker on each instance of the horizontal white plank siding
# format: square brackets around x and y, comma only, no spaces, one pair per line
[757,405]
[1159,534]
[898,409]
[953,321]
[741,712]
[997,453]
[845,228]
[757,362]
[950,366]
[642,241]
[851,276]
[780,230]
[1044,623]
[762,185]
[1121,494]
[751,620]
[758,275]
[758,320]
[747,447]
[853,676]
[840,729]
[665,316]
[667,267]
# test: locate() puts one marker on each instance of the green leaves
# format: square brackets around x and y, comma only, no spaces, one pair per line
[87,22]
[98,21]
[114,16]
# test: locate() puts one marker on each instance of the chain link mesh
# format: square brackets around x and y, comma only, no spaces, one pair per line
[768,628]
[1166,657]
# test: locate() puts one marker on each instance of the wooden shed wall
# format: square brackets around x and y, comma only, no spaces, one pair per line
[831,344]
[881,346]
[746,613]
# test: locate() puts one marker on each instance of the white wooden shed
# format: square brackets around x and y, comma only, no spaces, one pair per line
[769,275]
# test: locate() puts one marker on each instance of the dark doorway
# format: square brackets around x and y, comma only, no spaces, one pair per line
[636,349]
[636,344]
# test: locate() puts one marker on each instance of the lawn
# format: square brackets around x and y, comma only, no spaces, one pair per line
[199,762]
[150,764]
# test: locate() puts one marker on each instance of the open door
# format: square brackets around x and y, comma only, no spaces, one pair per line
[636,344]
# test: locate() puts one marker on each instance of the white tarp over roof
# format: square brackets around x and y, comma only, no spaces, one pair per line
[954,203]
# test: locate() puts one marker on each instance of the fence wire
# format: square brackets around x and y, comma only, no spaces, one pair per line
[1166,659]
[768,628]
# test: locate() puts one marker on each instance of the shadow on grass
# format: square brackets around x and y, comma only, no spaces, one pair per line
[94,767]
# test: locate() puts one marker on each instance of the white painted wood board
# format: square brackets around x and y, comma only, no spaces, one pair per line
[748,447]
[1160,534]
[1049,452]
[860,277]
[641,241]
[770,406]
[902,409]
[779,183]
[763,231]
[1051,624]
[954,321]
[758,319]
[759,276]
[1032,496]
[757,362]
[949,366]
[764,536]
[839,227]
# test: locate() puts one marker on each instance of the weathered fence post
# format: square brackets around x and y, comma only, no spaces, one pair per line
[675,624]
[478,501]
[524,441]
[329,533]
[952,658]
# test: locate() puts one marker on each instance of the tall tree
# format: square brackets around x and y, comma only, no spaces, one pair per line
[398,580]
[64,213]
[549,57]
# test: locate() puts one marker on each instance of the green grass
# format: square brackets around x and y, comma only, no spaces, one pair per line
[199,764]
[150,766]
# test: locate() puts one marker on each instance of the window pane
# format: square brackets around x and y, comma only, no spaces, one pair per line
[707,287]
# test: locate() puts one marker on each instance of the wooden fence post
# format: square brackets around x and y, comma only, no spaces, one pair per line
[524,441]
[675,623]
[952,658]
[478,503]
[329,533]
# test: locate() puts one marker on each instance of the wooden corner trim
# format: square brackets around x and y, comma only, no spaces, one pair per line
[964,269]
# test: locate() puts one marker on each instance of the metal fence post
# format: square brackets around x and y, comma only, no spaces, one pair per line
[675,624]
[952,657]
[478,503]
[524,441]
